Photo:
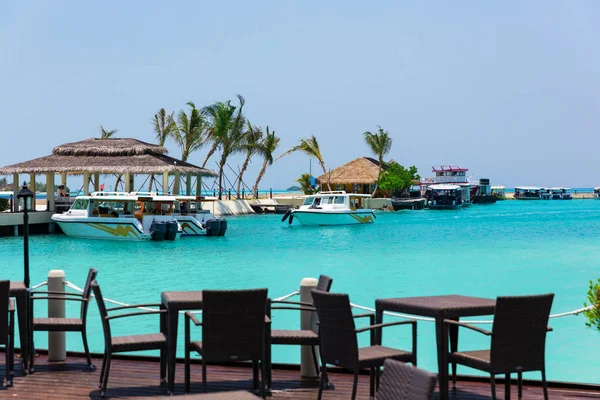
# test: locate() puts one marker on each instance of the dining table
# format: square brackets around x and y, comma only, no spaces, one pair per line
[174,302]
[439,308]
[18,290]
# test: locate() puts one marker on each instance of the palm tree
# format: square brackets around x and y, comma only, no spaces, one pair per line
[190,131]
[252,138]
[104,134]
[266,149]
[380,144]
[310,147]
[305,184]
[164,127]
[227,131]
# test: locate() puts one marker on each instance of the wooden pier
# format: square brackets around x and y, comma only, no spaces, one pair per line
[138,378]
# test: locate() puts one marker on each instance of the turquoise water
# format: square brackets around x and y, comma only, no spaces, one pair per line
[508,248]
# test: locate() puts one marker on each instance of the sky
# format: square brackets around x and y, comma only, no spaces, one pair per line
[510,89]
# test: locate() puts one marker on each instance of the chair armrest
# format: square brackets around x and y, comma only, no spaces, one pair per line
[295,308]
[298,303]
[377,326]
[134,306]
[195,320]
[549,329]
[472,327]
[135,313]
[32,294]
[267,320]
[371,317]
[83,299]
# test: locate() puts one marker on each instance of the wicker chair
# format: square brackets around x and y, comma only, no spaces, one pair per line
[61,324]
[302,337]
[7,329]
[404,382]
[339,345]
[233,329]
[120,344]
[518,341]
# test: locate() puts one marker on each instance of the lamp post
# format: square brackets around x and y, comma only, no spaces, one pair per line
[25,197]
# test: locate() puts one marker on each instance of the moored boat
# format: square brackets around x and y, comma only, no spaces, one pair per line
[194,220]
[597,192]
[120,216]
[483,194]
[445,197]
[499,192]
[332,208]
[528,193]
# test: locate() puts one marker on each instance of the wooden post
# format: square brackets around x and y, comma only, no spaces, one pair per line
[127,182]
[176,183]
[50,191]
[86,183]
[63,179]
[96,182]
[165,183]
[15,191]
[188,184]
[308,321]
[199,186]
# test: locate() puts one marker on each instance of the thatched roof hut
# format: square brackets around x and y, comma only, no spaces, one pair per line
[107,156]
[363,170]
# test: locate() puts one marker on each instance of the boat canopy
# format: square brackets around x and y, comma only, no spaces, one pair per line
[528,188]
[336,193]
[498,188]
[444,187]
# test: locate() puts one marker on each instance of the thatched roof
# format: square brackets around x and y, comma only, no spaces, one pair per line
[107,156]
[363,170]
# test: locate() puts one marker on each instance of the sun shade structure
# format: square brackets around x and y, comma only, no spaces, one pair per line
[363,170]
[107,156]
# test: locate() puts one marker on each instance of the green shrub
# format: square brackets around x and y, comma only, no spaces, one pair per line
[593,315]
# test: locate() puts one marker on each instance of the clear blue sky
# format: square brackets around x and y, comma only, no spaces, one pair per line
[508,89]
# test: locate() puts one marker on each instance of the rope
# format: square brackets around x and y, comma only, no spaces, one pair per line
[287,296]
[39,285]
[78,289]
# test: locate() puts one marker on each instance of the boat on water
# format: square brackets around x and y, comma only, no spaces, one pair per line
[452,175]
[331,208]
[196,221]
[120,216]
[499,192]
[528,193]
[597,192]
[483,193]
[445,197]
[556,193]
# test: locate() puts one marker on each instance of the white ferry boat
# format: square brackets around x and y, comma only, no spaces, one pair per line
[445,197]
[121,216]
[332,208]
[597,192]
[528,193]
[452,175]
[557,193]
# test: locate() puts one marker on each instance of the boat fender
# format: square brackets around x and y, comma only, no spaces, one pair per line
[286,215]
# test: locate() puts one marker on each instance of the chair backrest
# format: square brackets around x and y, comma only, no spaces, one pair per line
[519,332]
[324,283]
[103,313]
[339,345]
[233,324]
[401,381]
[4,294]
[87,290]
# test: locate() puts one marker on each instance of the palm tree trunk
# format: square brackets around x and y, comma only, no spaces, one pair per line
[221,166]
[210,153]
[244,166]
[325,172]
[260,176]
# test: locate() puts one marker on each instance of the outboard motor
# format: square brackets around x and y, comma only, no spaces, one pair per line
[171,231]
[158,229]
[213,227]
[223,227]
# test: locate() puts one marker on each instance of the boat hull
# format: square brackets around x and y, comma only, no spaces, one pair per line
[118,230]
[319,218]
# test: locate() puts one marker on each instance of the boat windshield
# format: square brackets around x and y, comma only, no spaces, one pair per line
[308,201]
[80,204]
[339,200]
[115,209]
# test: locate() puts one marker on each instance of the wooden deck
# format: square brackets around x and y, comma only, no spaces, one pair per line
[135,379]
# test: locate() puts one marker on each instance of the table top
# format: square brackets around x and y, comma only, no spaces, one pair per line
[446,306]
[182,300]
[17,286]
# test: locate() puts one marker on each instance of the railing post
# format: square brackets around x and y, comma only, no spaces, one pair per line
[308,320]
[271,193]
[57,350]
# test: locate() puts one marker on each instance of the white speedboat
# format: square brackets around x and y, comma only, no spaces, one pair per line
[196,221]
[331,208]
[121,216]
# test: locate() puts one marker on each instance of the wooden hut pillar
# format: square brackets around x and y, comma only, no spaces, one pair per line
[176,183]
[165,182]
[128,182]
[86,183]
[199,186]
[15,202]
[188,184]
[50,191]
[96,182]
[63,179]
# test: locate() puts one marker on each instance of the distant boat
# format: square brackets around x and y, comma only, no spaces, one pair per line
[528,193]
[597,192]
[499,192]
[445,197]
[556,193]
[332,208]
[483,193]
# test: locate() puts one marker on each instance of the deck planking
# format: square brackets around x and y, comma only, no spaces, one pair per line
[139,379]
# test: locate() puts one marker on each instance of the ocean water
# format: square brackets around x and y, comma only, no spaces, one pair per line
[509,248]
